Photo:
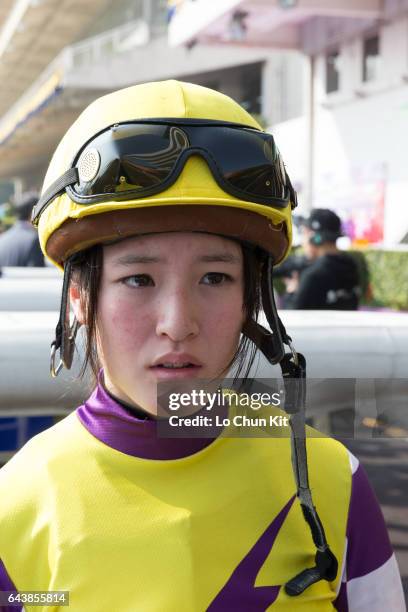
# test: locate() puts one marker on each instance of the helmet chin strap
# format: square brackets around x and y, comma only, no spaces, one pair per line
[293,366]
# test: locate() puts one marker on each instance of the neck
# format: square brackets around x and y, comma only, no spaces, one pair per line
[137,412]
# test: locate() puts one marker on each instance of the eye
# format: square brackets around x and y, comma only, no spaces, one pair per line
[215,278]
[138,280]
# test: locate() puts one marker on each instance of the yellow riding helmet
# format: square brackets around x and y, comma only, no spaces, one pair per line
[194,202]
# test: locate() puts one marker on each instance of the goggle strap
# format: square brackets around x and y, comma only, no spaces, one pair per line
[70,177]
[292,192]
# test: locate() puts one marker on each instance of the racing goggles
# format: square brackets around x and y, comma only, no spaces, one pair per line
[132,160]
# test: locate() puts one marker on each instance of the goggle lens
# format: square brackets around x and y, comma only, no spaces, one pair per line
[139,157]
[131,157]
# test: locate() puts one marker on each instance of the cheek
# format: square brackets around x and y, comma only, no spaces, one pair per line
[224,324]
[122,325]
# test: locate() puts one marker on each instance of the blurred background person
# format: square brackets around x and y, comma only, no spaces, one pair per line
[19,245]
[327,278]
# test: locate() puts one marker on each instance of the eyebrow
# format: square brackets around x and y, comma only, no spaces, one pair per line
[223,257]
[128,260]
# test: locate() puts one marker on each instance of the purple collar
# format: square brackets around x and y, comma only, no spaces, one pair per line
[112,424]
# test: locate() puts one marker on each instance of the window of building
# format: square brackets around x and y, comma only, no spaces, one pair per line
[371,58]
[243,83]
[332,71]
[250,85]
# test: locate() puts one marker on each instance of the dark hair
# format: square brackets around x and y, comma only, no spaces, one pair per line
[87,272]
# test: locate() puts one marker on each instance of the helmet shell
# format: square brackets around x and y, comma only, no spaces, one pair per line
[66,227]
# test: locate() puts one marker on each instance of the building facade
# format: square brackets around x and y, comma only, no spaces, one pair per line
[347,151]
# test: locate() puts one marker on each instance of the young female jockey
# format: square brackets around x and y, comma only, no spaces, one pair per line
[167,207]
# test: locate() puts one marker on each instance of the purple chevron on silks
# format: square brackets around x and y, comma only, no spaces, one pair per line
[7,585]
[240,593]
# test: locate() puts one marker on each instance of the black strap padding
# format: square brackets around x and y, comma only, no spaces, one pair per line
[68,332]
[316,527]
[327,564]
[294,380]
[64,334]
[325,569]
[70,177]
[59,330]
[269,308]
[300,468]
[270,343]
[267,342]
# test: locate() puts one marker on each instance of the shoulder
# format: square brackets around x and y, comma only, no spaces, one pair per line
[315,272]
[7,236]
[327,452]
[370,575]
[366,529]
[325,264]
[329,461]
[330,467]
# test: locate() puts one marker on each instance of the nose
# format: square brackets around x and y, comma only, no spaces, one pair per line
[177,316]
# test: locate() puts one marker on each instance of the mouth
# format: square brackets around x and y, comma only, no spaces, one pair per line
[179,369]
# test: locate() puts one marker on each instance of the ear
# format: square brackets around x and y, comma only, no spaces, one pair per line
[75,302]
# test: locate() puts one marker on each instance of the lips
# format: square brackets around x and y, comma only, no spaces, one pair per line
[176,360]
[175,365]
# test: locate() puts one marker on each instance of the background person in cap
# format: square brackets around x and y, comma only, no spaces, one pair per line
[332,280]
[19,246]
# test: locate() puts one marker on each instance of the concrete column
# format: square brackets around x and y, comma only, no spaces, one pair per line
[272,91]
